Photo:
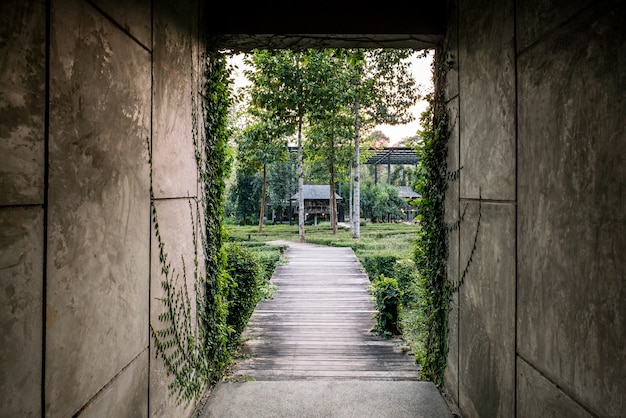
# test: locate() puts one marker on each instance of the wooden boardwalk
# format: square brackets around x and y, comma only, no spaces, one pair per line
[318,325]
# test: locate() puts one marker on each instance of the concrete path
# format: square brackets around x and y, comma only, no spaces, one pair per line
[310,352]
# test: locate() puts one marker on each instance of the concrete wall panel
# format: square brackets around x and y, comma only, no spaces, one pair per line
[126,396]
[175,173]
[134,16]
[537,396]
[451,217]
[99,214]
[487,311]
[21,288]
[451,48]
[22,101]
[536,18]
[572,209]
[176,223]
[487,88]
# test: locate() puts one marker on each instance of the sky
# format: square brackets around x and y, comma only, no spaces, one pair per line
[423,77]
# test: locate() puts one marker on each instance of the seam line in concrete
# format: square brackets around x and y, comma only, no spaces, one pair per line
[516,124]
[458,186]
[556,386]
[545,36]
[46,172]
[158,199]
[149,144]
[458,231]
[452,98]
[118,26]
[108,384]
[491,201]
[24,205]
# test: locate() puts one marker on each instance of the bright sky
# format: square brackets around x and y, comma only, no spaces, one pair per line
[423,77]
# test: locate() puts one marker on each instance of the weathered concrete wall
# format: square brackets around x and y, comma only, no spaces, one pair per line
[538,327]
[21,297]
[572,206]
[175,181]
[481,102]
[22,115]
[451,210]
[87,89]
[98,206]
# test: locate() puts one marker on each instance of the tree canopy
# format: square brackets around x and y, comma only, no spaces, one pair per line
[323,100]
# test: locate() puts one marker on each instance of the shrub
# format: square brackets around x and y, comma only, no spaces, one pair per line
[387,301]
[246,276]
[268,260]
[404,272]
[379,264]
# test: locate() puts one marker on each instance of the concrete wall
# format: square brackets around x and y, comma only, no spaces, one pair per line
[537,93]
[86,89]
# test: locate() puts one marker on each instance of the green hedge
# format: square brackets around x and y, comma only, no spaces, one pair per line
[246,275]
[376,265]
[387,297]
[249,270]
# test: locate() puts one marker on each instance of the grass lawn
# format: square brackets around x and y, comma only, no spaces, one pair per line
[376,238]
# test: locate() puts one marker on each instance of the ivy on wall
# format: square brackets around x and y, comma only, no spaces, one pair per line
[434,287]
[431,249]
[195,349]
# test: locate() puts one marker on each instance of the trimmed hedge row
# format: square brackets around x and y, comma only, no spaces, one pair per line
[249,273]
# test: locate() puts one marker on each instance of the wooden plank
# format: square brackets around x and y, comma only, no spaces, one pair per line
[318,324]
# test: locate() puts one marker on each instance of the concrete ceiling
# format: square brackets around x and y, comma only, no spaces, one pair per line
[324,24]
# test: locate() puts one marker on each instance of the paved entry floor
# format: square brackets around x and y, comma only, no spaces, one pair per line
[310,351]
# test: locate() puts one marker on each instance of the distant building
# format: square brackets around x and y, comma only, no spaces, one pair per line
[408,194]
[316,202]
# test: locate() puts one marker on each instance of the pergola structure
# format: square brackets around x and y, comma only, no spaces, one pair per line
[392,155]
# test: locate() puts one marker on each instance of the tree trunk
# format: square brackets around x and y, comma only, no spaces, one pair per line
[333,199]
[262,211]
[356,226]
[300,183]
[350,205]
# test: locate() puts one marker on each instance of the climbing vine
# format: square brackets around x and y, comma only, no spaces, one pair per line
[195,348]
[434,287]
[431,249]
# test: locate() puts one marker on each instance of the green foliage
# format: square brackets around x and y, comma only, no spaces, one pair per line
[194,347]
[387,297]
[245,196]
[213,163]
[393,90]
[281,185]
[178,343]
[379,264]
[269,258]
[431,251]
[405,273]
[380,200]
[259,144]
[246,276]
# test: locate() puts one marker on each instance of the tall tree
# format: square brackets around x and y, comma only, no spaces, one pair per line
[279,86]
[282,184]
[383,90]
[259,145]
[330,124]
[245,194]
